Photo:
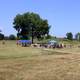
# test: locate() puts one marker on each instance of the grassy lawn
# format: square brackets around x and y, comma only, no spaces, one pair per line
[24,63]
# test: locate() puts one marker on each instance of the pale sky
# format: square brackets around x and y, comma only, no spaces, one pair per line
[62,15]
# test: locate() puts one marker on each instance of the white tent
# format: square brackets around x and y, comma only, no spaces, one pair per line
[52,42]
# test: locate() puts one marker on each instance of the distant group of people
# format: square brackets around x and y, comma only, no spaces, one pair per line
[44,45]
[48,46]
[60,45]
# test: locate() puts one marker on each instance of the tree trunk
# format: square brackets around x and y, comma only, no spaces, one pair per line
[32,36]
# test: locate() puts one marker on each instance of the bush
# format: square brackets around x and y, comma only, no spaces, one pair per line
[12,37]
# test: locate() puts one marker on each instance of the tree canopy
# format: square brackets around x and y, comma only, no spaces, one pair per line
[69,36]
[30,24]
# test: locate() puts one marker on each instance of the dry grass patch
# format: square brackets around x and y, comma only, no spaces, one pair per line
[19,63]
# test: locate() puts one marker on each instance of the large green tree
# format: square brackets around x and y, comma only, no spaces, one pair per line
[30,24]
[69,36]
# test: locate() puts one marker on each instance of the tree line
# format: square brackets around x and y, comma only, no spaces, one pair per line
[10,37]
[30,25]
[70,35]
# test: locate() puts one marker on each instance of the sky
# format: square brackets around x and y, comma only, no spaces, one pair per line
[62,15]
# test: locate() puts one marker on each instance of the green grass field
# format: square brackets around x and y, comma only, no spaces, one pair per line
[26,63]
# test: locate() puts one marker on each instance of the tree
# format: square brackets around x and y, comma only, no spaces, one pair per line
[69,36]
[30,24]
[12,37]
[1,36]
[77,36]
